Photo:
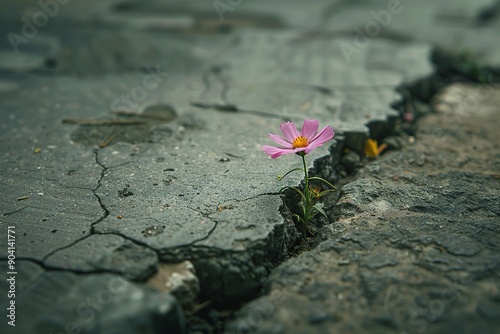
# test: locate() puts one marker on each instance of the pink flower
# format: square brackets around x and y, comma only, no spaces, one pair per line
[294,142]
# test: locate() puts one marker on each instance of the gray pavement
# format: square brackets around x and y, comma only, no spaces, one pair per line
[182,96]
[414,244]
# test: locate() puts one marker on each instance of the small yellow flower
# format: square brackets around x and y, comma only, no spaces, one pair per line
[315,191]
[372,150]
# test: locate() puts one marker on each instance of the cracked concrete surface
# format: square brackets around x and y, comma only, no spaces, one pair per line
[115,200]
[414,243]
[55,302]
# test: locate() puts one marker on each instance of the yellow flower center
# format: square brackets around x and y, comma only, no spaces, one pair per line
[300,141]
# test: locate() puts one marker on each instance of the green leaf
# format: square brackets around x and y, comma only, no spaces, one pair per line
[297,190]
[293,170]
[299,218]
[319,208]
[323,180]
[326,192]
[304,210]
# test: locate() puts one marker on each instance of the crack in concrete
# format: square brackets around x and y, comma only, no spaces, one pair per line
[137,242]
[233,109]
[106,212]
[176,252]
[405,98]
[13,212]
[239,200]
[329,91]
[209,233]
[64,247]
[188,244]
[217,71]
[350,238]
[99,200]
[236,200]
[216,222]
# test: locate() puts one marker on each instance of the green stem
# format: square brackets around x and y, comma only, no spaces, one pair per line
[306,193]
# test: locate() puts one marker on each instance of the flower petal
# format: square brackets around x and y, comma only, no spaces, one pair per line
[289,131]
[323,136]
[312,147]
[309,129]
[275,152]
[281,141]
[371,148]
[300,149]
